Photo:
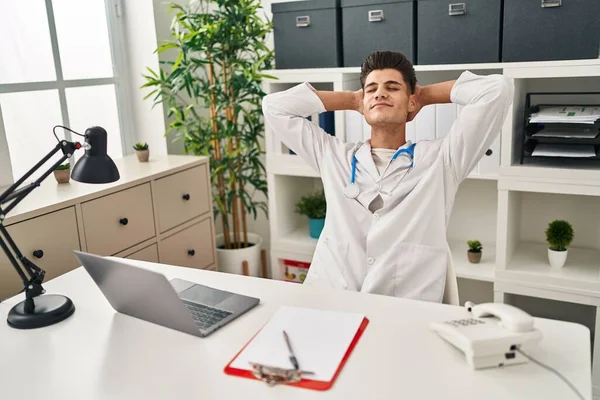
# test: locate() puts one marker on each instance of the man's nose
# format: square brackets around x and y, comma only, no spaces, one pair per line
[380,94]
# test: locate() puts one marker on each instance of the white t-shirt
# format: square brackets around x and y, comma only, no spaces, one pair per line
[381,158]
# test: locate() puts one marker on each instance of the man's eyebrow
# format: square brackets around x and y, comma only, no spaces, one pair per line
[386,83]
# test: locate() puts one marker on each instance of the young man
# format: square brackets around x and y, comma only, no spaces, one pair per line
[385,230]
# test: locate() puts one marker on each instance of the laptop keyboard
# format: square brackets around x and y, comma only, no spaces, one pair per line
[205,316]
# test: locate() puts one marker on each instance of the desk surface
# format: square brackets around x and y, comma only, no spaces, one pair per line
[100,354]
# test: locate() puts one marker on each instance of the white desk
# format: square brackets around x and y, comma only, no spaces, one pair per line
[99,354]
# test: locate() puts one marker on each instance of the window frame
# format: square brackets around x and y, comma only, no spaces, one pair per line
[117,44]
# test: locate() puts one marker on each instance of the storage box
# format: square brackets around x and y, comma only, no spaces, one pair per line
[370,25]
[539,30]
[307,34]
[459,32]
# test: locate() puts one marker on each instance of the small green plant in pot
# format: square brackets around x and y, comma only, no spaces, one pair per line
[559,236]
[62,173]
[142,151]
[474,252]
[314,207]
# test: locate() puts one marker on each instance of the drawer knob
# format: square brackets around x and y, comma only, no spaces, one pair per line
[186,196]
[123,221]
[489,152]
[38,253]
[191,252]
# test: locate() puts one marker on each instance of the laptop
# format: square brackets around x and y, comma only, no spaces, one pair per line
[177,304]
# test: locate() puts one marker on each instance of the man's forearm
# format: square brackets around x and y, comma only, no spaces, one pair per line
[334,101]
[438,93]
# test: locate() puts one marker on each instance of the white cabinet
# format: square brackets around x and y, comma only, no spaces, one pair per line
[146,216]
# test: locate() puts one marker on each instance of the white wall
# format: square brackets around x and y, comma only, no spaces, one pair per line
[141,41]
[6,175]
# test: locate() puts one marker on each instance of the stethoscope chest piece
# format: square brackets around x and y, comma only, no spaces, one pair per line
[351,191]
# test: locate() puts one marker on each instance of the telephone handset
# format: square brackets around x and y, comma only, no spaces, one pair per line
[491,334]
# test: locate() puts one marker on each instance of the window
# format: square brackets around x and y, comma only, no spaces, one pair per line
[60,66]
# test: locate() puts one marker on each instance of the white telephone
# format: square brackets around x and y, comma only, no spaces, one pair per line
[491,334]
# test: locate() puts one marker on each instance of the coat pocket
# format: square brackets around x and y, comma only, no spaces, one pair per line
[420,272]
[328,264]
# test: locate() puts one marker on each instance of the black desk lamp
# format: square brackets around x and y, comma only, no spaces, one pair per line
[94,167]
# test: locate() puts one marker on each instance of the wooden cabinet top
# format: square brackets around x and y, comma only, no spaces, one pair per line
[51,196]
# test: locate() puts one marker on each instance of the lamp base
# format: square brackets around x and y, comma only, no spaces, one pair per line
[49,309]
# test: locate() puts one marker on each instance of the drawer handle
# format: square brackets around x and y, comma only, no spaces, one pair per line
[191,252]
[457,9]
[303,21]
[123,221]
[38,253]
[551,3]
[489,152]
[186,197]
[375,15]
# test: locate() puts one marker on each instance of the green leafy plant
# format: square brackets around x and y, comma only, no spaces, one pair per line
[559,235]
[220,52]
[62,167]
[313,206]
[474,246]
[140,146]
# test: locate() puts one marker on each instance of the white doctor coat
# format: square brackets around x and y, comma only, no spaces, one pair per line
[400,250]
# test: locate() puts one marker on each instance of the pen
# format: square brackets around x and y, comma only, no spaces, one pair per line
[293,359]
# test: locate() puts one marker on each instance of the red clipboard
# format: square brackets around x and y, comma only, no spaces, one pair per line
[304,383]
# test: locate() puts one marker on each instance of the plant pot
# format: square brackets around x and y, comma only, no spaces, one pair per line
[474,257]
[62,175]
[143,155]
[315,226]
[230,260]
[557,258]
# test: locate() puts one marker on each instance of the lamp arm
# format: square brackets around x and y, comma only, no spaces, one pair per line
[35,275]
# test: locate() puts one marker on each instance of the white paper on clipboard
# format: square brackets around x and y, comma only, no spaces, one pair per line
[319,338]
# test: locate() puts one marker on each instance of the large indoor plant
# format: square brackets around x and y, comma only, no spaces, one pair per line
[212,92]
[559,236]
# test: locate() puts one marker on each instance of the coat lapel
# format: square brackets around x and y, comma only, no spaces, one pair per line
[365,159]
[401,163]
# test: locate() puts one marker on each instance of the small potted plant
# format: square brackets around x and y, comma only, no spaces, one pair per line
[314,207]
[62,173]
[559,236]
[142,151]
[474,252]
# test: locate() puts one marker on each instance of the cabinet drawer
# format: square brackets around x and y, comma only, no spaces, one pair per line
[55,235]
[149,254]
[182,196]
[192,247]
[118,221]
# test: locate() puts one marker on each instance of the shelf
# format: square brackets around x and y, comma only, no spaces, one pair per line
[526,178]
[532,69]
[292,165]
[289,164]
[530,265]
[296,242]
[484,271]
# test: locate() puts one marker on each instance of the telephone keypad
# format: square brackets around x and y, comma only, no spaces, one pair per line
[464,322]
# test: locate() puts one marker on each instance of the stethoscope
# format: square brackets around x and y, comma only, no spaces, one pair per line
[352,190]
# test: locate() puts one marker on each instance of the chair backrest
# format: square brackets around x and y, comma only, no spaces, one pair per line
[451,288]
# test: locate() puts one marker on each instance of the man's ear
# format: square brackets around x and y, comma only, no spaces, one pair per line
[412,103]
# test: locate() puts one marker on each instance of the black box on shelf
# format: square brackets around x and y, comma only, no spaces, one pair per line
[561,132]
[307,34]
[370,25]
[451,32]
[541,30]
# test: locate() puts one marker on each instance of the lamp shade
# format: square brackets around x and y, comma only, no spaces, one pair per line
[95,166]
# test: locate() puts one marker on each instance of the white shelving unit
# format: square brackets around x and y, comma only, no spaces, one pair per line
[504,204]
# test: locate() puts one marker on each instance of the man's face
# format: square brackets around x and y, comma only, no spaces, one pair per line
[387,98]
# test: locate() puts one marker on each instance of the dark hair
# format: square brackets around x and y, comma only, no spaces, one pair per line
[389,59]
